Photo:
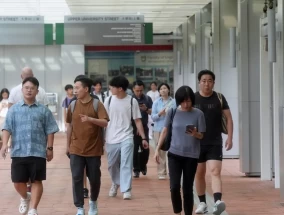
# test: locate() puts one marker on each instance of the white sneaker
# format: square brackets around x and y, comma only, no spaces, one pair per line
[93,208]
[162,177]
[33,212]
[25,204]
[201,208]
[127,195]
[113,190]
[80,211]
[219,207]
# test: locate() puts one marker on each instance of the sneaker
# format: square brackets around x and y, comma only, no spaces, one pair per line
[93,210]
[144,172]
[86,193]
[136,175]
[113,190]
[80,211]
[219,207]
[25,204]
[201,208]
[33,212]
[127,195]
[162,177]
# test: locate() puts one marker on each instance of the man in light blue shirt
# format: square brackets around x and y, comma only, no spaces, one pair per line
[32,127]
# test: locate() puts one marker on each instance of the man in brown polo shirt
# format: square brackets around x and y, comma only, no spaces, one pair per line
[85,143]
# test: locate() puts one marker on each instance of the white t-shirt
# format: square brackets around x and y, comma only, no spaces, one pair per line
[4,110]
[107,93]
[154,95]
[99,95]
[120,127]
[16,95]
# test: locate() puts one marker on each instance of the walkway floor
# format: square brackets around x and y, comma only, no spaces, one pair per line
[150,196]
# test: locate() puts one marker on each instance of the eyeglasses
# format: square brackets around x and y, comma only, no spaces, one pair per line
[30,88]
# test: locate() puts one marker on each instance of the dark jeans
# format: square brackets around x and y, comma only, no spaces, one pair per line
[140,159]
[92,164]
[179,165]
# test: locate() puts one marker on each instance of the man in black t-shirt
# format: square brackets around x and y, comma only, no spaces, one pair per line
[213,105]
[141,155]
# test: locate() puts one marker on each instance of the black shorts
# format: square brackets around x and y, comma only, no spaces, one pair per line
[210,152]
[28,168]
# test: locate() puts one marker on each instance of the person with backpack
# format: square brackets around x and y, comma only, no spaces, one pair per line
[141,155]
[214,106]
[97,90]
[68,99]
[187,126]
[86,117]
[85,190]
[122,109]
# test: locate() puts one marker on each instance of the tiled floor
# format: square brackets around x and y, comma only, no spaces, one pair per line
[243,195]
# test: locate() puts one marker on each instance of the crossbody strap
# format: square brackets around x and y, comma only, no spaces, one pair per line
[220,99]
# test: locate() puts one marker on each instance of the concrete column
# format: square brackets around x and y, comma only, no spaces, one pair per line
[243,80]
[279,103]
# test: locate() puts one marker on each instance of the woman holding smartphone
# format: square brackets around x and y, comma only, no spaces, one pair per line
[159,110]
[188,127]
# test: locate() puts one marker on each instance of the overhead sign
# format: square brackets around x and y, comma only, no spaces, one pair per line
[21,19]
[104,19]
[104,34]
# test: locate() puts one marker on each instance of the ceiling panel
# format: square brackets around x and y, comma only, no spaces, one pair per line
[165,15]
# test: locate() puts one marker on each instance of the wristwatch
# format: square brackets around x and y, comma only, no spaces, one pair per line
[50,148]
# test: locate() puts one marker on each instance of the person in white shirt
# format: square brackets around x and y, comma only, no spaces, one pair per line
[108,92]
[16,93]
[154,94]
[4,95]
[122,110]
[98,91]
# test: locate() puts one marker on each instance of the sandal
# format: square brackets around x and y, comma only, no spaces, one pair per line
[33,212]
[25,204]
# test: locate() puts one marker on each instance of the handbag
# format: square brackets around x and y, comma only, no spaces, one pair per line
[167,142]
[224,119]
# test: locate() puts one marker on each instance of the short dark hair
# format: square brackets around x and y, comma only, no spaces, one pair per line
[206,72]
[164,84]
[4,90]
[97,82]
[184,93]
[79,77]
[68,86]
[138,83]
[86,82]
[33,80]
[153,82]
[119,81]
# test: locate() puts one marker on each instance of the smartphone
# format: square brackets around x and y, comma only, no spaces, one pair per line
[190,127]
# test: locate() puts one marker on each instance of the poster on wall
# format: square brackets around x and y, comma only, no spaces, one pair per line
[154,66]
[145,66]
